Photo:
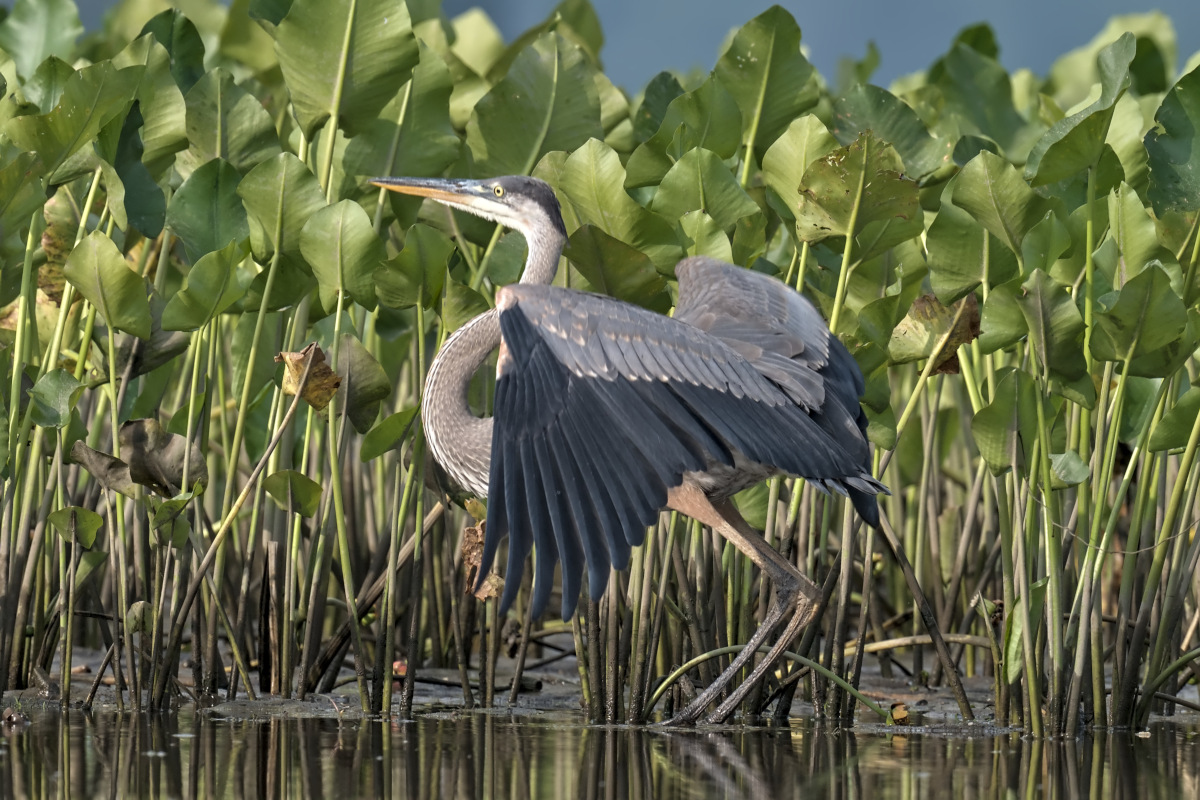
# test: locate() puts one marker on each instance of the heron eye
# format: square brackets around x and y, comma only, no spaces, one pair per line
[499,190]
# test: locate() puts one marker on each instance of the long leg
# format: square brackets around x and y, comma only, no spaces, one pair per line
[792,592]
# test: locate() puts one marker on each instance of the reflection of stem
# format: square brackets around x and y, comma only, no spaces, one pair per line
[173,644]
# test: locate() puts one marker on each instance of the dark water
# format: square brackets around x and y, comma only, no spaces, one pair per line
[494,755]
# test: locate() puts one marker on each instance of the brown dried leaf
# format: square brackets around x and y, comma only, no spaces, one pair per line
[156,457]
[492,586]
[322,383]
[111,473]
[927,321]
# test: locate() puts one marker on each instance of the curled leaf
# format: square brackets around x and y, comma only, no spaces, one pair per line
[322,381]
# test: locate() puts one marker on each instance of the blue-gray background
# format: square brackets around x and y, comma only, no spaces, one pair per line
[646,36]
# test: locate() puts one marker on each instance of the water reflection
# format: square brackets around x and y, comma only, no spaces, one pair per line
[481,756]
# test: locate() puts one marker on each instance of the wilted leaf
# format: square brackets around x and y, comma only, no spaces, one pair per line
[157,458]
[322,381]
[927,323]
[111,473]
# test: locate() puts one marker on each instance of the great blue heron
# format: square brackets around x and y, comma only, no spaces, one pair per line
[606,413]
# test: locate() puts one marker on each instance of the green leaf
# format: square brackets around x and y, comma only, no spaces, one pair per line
[614,268]
[1135,239]
[1067,469]
[700,181]
[294,491]
[706,117]
[182,43]
[1055,326]
[1044,244]
[280,195]
[1175,428]
[1008,425]
[22,191]
[867,175]
[91,564]
[46,86]
[656,98]
[805,140]
[869,108]
[962,255]
[412,135]
[1076,142]
[96,268]
[344,251]
[994,194]
[1171,146]
[37,29]
[134,199]
[364,383]
[53,397]
[978,93]
[770,80]
[211,286]
[591,183]
[460,304]
[1014,648]
[1146,316]
[547,101]
[92,97]
[389,433]
[206,213]
[704,237]
[162,109]
[415,274]
[344,60]
[76,524]
[225,121]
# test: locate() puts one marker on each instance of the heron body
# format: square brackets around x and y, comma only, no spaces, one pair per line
[606,413]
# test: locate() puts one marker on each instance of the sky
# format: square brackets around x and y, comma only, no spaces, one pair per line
[643,37]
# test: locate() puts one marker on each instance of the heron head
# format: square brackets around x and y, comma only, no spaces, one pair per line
[522,203]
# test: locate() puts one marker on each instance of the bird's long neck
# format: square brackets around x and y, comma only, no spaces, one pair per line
[459,440]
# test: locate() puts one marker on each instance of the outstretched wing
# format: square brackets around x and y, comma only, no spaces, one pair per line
[784,338]
[601,407]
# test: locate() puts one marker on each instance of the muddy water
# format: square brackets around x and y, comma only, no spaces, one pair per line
[476,755]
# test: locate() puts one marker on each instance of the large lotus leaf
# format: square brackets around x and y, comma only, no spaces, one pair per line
[225,121]
[656,99]
[1073,76]
[770,80]
[478,44]
[1076,142]
[133,198]
[1008,425]
[547,101]
[869,108]
[1001,323]
[702,236]
[1055,326]
[963,255]
[161,107]
[992,191]
[279,195]
[96,268]
[178,36]
[1044,244]
[22,191]
[977,91]
[343,250]
[460,305]
[804,141]
[344,60]
[91,98]
[614,268]
[1175,428]
[37,29]
[1146,316]
[206,213]
[415,274]
[1173,151]
[211,286]
[245,42]
[591,181]
[45,87]
[1135,241]
[412,135]
[701,181]
[860,185]
[707,117]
